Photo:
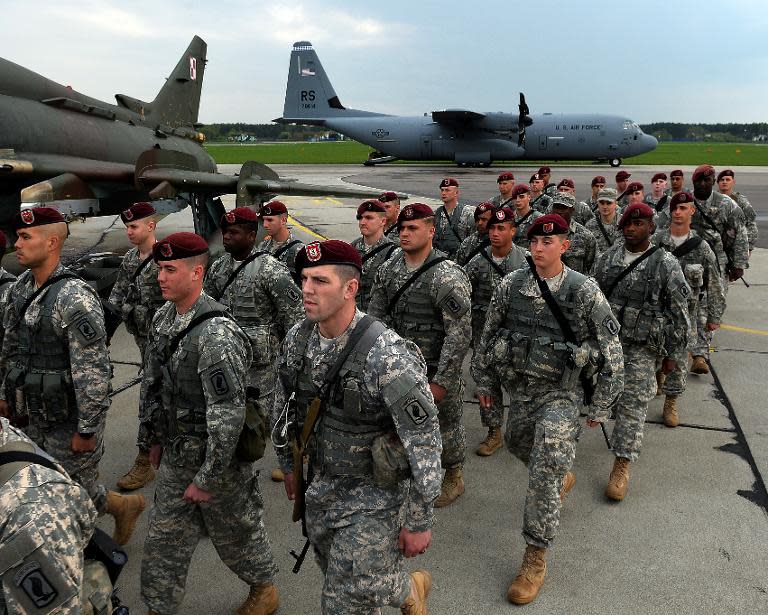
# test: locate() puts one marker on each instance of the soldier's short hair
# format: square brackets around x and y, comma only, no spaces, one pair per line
[347,273]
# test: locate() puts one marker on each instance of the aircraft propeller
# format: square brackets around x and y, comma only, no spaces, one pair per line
[523,120]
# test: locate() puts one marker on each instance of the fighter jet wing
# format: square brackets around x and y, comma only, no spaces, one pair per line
[457,116]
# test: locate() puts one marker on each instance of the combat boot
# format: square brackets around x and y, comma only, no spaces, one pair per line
[670,411]
[261,600]
[619,479]
[453,487]
[416,602]
[126,509]
[277,475]
[699,365]
[529,580]
[491,444]
[660,379]
[139,475]
[568,482]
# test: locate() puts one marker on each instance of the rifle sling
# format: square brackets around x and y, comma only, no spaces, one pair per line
[375,251]
[141,267]
[493,264]
[282,249]
[448,220]
[416,274]
[688,246]
[235,273]
[629,270]
[174,344]
[602,229]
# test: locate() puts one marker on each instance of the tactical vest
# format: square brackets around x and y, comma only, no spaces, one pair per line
[141,302]
[639,308]
[182,391]
[346,429]
[41,366]
[5,279]
[415,317]
[449,240]
[536,345]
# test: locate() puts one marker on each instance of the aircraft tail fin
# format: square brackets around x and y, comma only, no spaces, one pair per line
[178,101]
[309,95]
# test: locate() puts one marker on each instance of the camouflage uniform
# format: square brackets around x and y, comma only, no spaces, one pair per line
[373,258]
[541,203]
[6,279]
[651,304]
[606,235]
[702,273]
[434,313]
[485,279]
[499,201]
[582,213]
[195,408]
[581,255]
[42,508]
[522,347]
[550,189]
[470,247]
[393,232]
[750,217]
[451,229]
[284,251]
[522,224]
[58,354]
[353,522]
[137,297]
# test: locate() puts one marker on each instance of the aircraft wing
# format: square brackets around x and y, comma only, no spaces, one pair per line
[455,117]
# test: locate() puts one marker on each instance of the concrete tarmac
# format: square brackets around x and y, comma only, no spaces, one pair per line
[691,536]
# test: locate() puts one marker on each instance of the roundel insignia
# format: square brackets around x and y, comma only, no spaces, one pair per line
[128,214]
[313,252]
[166,250]
[408,212]
[267,211]
[500,215]
[548,227]
[231,217]
[27,216]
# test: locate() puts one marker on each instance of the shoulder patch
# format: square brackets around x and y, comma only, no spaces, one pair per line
[293,294]
[684,290]
[610,324]
[416,411]
[36,585]
[219,382]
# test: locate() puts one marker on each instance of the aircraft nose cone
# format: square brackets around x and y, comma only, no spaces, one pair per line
[649,143]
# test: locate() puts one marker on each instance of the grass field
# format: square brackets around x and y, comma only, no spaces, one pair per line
[351,152]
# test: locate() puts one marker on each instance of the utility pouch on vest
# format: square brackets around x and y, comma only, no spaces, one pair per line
[253,437]
[55,396]
[189,452]
[694,274]
[390,462]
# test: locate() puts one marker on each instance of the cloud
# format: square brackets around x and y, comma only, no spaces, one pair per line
[105,18]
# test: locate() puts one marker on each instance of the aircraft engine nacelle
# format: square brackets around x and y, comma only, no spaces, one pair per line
[67,193]
[473,158]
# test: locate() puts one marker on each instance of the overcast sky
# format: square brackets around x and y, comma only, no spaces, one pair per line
[652,60]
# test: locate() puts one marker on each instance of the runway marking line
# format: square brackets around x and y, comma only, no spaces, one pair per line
[744,330]
[309,231]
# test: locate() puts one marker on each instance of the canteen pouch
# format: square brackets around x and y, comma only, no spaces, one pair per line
[55,396]
[390,462]
[253,438]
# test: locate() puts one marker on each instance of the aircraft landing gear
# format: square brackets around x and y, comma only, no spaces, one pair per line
[615,162]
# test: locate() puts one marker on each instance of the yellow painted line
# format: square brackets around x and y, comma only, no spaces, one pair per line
[744,330]
[309,231]
[334,201]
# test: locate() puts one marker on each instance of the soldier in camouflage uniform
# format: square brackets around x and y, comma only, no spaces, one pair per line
[6,280]
[506,182]
[194,399]
[485,271]
[726,183]
[598,183]
[549,188]
[57,364]
[454,221]
[136,296]
[540,201]
[477,240]
[582,249]
[373,245]
[658,192]
[48,519]
[374,458]
[677,182]
[281,243]
[525,215]
[524,348]
[701,271]
[391,202]
[622,181]
[649,295]
[426,299]
[604,226]
[262,298]
[582,213]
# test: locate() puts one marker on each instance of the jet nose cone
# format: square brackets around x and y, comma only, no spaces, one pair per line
[649,143]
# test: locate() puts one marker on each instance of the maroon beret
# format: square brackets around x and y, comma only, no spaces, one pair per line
[179,245]
[36,216]
[545,171]
[386,197]
[484,207]
[535,177]
[680,197]
[598,179]
[505,214]
[239,215]
[520,189]
[370,206]
[414,211]
[567,182]
[549,224]
[330,252]
[704,170]
[725,173]
[676,173]
[137,211]
[659,176]
[449,181]
[634,187]
[505,176]
[622,176]
[636,210]
[273,208]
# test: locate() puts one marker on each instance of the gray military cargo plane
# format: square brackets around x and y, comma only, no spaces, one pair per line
[87,158]
[467,137]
